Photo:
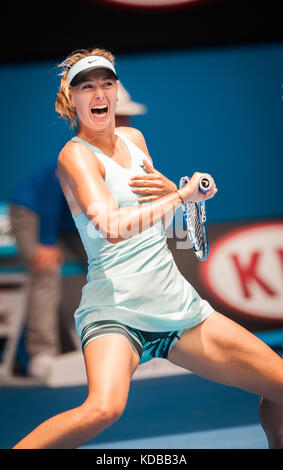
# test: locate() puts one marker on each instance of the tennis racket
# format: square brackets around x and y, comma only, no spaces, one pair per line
[194,217]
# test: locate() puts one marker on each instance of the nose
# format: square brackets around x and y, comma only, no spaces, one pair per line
[99,93]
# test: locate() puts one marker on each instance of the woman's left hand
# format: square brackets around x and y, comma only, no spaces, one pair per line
[153,183]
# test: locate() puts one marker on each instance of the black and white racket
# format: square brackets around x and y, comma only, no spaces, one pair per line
[194,216]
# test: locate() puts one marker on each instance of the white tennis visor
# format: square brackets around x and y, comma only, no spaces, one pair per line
[85,65]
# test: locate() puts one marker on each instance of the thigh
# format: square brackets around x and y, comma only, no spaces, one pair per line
[221,350]
[24,224]
[110,364]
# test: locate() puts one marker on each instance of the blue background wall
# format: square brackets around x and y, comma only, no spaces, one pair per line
[215,110]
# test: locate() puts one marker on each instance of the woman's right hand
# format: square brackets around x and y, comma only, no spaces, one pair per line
[190,192]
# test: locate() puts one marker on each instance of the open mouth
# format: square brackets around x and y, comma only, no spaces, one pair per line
[99,110]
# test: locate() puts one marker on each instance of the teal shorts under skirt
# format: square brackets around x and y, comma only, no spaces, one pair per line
[146,344]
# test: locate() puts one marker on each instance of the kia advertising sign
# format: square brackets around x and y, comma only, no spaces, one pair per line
[245,270]
[243,275]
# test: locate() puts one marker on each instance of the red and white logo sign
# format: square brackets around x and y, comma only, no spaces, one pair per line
[244,270]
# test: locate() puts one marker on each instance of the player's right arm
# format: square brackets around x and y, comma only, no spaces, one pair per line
[81,171]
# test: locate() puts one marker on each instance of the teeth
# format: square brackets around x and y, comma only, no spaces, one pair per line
[99,109]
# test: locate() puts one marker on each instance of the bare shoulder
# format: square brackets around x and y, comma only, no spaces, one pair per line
[131,132]
[70,152]
[76,162]
[75,155]
[135,136]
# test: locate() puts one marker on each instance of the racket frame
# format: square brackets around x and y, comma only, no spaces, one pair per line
[201,253]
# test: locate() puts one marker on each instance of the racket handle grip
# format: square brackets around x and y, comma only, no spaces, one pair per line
[205,184]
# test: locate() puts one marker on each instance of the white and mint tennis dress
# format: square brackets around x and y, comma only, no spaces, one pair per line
[134,286]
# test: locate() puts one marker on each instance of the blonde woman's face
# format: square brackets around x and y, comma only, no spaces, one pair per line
[95,99]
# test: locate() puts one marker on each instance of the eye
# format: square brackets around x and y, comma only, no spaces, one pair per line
[86,86]
[108,84]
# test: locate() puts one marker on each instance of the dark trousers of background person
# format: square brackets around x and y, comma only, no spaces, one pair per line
[45,288]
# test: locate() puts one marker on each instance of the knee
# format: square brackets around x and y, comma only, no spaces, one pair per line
[102,414]
[111,412]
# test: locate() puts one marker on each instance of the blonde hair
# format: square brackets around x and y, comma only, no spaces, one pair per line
[63,105]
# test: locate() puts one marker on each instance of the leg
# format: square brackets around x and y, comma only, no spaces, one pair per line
[223,351]
[110,363]
[73,250]
[42,325]
[44,288]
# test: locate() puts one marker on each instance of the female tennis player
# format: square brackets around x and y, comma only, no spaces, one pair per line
[136,305]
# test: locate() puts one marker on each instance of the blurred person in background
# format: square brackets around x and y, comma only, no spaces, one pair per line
[46,237]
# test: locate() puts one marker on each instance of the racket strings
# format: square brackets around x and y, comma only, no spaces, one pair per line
[194,218]
[194,223]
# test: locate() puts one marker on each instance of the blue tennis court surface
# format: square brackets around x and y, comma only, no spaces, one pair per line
[177,412]
[239,437]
